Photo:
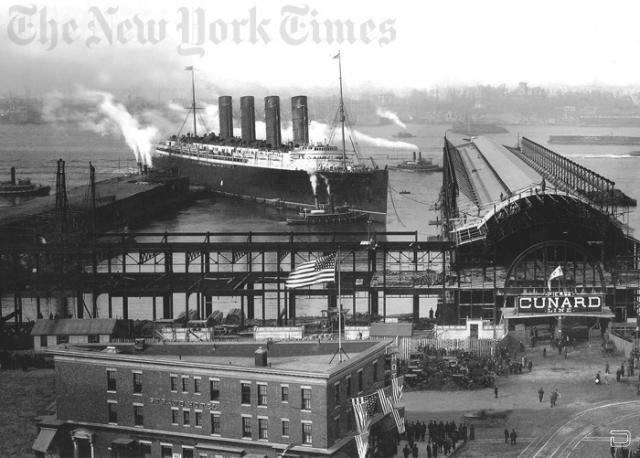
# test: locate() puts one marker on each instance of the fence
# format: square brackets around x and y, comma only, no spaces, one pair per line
[482,347]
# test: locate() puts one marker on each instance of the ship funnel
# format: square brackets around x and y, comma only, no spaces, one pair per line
[414,156]
[226,117]
[13,175]
[300,120]
[248,118]
[272,120]
[420,156]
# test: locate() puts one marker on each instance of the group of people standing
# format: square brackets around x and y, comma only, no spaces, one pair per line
[443,437]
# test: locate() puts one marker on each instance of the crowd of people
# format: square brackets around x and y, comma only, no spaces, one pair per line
[440,438]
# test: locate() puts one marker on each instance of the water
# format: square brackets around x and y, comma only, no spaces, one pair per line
[34,150]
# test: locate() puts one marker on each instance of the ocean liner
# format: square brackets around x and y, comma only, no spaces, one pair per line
[299,174]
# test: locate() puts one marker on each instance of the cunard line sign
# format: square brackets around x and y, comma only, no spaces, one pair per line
[558,304]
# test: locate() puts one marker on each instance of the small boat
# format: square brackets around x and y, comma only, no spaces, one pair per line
[404,191]
[340,215]
[22,187]
[403,134]
[419,164]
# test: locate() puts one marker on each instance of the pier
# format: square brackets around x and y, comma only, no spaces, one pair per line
[509,215]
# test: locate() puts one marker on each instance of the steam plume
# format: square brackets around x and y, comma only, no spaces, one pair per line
[391,116]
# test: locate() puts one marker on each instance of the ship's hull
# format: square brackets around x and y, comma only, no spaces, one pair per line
[364,190]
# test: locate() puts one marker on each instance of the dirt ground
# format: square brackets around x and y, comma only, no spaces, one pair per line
[578,426]
[23,396]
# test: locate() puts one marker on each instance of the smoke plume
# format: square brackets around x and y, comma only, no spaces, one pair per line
[391,116]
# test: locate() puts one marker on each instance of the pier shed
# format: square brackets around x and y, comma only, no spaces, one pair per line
[48,333]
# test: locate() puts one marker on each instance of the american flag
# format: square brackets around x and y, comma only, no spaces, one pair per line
[309,273]
[360,411]
[397,390]
[372,404]
[399,420]
[384,401]
[362,442]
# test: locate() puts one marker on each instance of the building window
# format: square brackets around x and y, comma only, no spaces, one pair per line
[262,395]
[187,452]
[284,393]
[306,398]
[198,422]
[111,380]
[137,382]
[214,387]
[336,387]
[166,451]
[185,384]
[246,426]
[306,433]
[375,371]
[186,417]
[348,386]
[216,427]
[94,338]
[285,427]
[196,385]
[145,449]
[360,381]
[112,409]
[174,383]
[62,339]
[43,341]
[263,428]
[138,418]
[174,416]
[246,393]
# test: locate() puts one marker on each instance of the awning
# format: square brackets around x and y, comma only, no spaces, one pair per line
[44,439]
[221,448]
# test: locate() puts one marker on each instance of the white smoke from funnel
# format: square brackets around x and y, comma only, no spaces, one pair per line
[391,116]
[113,116]
[313,178]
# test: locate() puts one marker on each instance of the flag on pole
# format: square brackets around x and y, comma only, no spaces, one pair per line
[399,420]
[190,67]
[362,443]
[320,270]
[385,403]
[397,390]
[360,411]
[557,272]
[337,55]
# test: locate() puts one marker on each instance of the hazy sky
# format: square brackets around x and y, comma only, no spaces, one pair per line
[391,44]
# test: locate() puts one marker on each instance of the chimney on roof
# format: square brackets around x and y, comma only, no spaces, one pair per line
[261,357]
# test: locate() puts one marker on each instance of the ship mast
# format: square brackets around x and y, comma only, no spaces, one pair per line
[193,103]
[342,117]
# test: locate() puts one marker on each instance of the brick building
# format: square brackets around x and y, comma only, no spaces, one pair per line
[213,400]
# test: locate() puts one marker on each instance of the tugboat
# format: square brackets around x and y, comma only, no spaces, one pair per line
[22,187]
[419,164]
[338,215]
[403,134]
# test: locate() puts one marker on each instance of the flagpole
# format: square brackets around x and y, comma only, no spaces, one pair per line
[339,309]
[193,106]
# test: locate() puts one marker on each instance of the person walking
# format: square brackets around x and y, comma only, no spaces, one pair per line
[530,364]
[506,436]
[540,394]
[513,436]
[566,352]
[414,450]
[495,391]
[429,450]
[405,451]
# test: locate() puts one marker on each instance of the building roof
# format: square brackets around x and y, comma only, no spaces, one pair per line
[72,327]
[391,330]
[284,358]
